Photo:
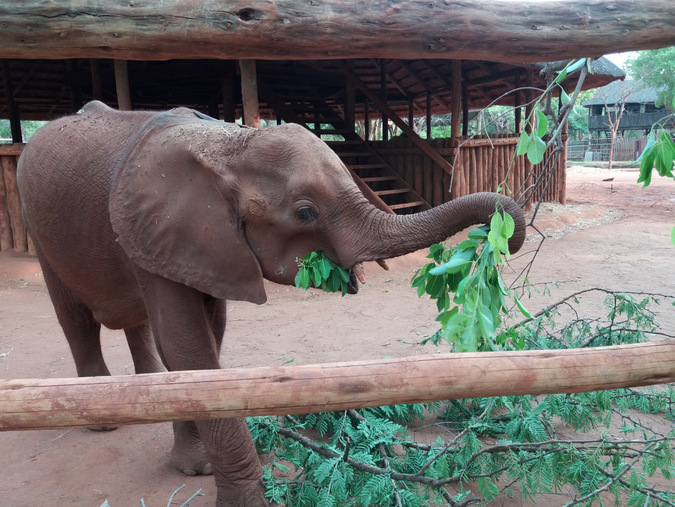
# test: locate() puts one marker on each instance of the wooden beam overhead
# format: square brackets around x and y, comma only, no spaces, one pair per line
[497,30]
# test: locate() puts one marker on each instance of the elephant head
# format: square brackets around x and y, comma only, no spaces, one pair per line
[218,207]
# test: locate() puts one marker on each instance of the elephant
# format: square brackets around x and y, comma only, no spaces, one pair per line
[150,221]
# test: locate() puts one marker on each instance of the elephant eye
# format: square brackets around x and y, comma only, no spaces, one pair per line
[306,213]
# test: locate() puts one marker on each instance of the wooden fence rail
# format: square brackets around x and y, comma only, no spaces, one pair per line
[92,401]
[480,165]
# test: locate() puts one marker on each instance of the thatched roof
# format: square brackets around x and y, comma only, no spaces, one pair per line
[629,92]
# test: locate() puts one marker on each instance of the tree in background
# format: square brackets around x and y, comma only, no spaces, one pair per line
[28,128]
[656,69]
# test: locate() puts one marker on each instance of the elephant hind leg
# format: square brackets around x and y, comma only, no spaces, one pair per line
[82,331]
[143,349]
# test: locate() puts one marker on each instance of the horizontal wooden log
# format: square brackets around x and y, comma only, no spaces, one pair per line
[11,150]
[502,30]
[60,403]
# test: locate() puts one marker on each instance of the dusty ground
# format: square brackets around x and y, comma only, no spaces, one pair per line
[611,234]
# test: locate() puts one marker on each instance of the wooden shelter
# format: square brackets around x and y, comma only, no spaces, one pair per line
[52,69]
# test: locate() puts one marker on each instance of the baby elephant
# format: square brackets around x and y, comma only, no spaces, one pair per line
[149,221]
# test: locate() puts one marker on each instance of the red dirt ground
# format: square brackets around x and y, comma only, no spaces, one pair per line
[611,234]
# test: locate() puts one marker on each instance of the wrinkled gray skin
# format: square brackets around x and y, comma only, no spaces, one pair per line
[148,222]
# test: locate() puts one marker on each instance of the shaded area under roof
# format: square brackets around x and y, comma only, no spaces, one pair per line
[46,89]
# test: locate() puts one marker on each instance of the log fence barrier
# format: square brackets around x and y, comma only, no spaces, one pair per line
[135,399]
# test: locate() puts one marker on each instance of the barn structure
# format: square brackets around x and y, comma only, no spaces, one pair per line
[399,168]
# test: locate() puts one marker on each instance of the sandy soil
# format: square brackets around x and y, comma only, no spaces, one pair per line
[611,234]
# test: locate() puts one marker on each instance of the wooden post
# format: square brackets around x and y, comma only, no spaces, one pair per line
[208,394]
[227,87]
[517,104]
[383,85]
[249,93]
[14,118]
[562,167]
[19,237]
[366,120]
[96,83]
[456,102]
[122,85]
[465,111]
[6,240]
[429,119]
[411,112]
[73,85]
[350,103]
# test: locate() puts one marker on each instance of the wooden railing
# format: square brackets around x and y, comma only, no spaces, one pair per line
[13,234]
[480,164]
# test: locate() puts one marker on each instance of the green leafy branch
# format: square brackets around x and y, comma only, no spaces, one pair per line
[658,154]
[370,457]
[471,272]
[317,270]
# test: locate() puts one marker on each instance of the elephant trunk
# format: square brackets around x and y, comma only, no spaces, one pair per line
[386,235]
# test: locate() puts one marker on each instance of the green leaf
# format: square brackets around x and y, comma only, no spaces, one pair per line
[304,278]
[477,234]
[576,65]
[542,124]
[535,150]
[457,263]
[564,98]
[496,224]
[509,226]
[672,236]
[523,140]
[325,268]
[646,166]
[665,152]
[651,139]
[522,308]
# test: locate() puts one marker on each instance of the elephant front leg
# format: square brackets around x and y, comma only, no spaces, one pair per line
[188,335]
[189,453]
[236,466]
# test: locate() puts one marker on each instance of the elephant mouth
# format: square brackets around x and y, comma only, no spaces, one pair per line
[358,275]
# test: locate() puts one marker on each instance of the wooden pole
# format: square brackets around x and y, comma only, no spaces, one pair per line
[562,167]
[19,235]
[96,83]
[227,90]
[383,85]
[60,403]
[14,118]
[516,103]
[456,120]
[122,85]
[350,103]
[494,30]
[465,111]
[249,93]
[429,116]
[6,240]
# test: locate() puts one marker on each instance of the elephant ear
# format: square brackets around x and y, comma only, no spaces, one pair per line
[176,217]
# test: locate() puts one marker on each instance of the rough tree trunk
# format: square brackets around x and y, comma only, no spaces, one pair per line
[501,30]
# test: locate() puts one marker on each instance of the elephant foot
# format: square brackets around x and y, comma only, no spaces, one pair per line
[250,498]
[188,454]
